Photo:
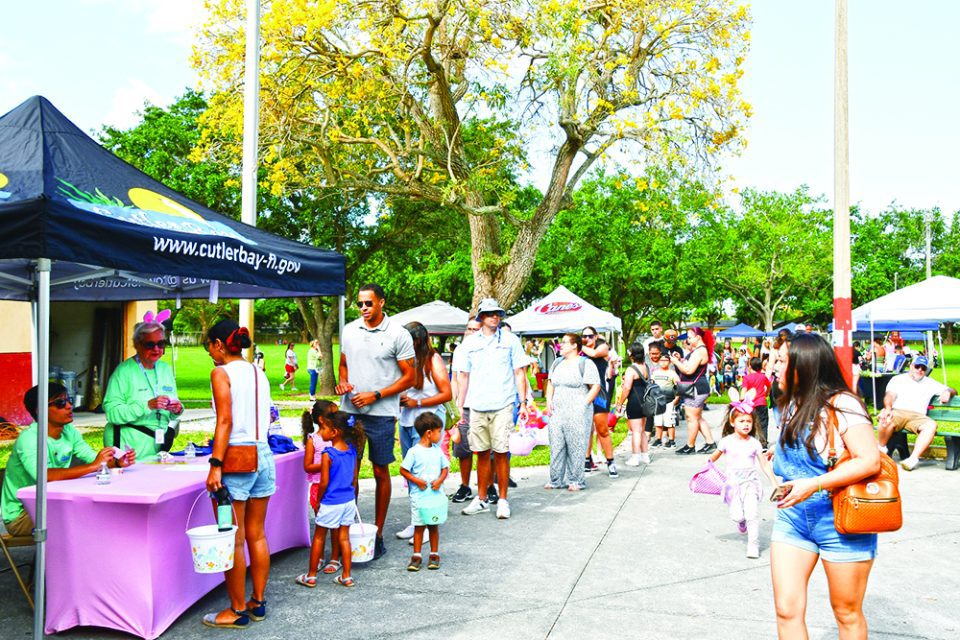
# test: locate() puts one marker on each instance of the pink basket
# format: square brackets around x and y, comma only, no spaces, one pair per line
[709,480]
[522,442]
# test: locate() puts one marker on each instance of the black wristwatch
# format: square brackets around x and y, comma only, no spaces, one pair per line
[216,462]
[378,395]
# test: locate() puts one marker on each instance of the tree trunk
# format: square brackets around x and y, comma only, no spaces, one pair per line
[321,317]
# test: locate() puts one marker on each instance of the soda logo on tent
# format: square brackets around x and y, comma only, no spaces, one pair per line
[557,307]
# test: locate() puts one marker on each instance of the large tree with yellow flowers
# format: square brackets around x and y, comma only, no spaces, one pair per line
[461,102]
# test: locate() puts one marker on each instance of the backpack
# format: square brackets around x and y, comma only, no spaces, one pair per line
[601,401]
[653,401]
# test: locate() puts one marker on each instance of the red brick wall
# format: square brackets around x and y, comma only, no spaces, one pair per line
[16,375]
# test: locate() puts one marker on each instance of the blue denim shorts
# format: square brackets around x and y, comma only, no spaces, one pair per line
[334,516]
[259,484]
[809,525]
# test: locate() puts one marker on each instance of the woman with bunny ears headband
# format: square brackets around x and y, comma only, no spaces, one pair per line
[141,401]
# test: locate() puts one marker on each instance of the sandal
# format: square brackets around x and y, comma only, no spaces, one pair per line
[415,563]
[331,567]
[240,622]
[345,582]
[307,581]
[434,561]
[259,611]
[574,487]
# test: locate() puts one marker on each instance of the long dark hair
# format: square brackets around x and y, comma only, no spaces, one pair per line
[811,379]
[351,429]
[309,419]
[423,351]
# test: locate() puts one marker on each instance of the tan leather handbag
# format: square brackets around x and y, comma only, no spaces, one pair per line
[243,458]
[871,505]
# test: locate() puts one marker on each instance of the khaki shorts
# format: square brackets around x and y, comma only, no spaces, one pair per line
[664,419]
[910,420]
[22,525]
[491,430]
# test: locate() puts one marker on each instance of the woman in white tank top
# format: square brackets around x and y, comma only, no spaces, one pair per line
[241,397]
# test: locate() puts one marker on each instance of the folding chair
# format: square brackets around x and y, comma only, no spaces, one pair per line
[8,542]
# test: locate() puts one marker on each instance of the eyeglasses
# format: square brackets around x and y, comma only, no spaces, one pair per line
[60,403]
[364,303]
[159,344]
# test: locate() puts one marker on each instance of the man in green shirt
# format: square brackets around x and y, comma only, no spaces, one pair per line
[141,400]
[63,443]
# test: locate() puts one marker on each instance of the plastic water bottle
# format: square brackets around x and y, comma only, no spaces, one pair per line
[190,452]
[224,509]
[103,475]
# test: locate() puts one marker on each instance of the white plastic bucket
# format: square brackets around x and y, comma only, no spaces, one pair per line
[363,538]
[212,549]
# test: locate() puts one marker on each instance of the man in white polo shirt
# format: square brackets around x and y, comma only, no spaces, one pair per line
[905,407]
[494,368]
[376,365]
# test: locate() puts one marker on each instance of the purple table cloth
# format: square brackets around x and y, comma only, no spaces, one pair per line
[118,555]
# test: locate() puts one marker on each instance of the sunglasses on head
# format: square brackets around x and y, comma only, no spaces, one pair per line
[364,303]
[60,403]
[150,344]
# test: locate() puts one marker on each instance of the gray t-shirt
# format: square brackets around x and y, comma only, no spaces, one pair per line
[372,363]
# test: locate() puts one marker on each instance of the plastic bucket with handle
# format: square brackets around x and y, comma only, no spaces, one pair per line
[211,548]
[362,540]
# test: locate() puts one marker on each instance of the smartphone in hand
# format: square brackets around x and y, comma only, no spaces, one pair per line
[780,492]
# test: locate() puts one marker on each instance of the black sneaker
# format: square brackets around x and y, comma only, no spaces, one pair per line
[379,548]
[669,444]
[463,494]
[656,443]
[710,447]
[511,483]
[685,450]
[589,466]
[492,495]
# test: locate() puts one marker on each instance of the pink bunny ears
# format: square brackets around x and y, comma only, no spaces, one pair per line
[742,404]
[159,318]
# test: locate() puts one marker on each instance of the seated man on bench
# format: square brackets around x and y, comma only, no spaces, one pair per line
[905,407]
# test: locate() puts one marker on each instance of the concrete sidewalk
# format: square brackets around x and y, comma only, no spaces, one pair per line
[634,557]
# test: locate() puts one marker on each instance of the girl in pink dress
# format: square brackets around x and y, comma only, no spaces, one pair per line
[742,443]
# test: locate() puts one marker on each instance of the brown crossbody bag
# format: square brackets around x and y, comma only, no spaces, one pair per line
[871,505]
[242,458]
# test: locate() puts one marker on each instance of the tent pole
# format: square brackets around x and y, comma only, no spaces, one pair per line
[943,360]
[873,362]
[43,375]
[251,135]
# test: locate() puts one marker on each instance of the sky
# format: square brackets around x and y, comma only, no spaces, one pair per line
[98,61]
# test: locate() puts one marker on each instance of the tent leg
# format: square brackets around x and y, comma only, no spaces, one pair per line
[43,375]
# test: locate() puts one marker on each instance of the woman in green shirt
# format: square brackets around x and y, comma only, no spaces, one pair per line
[313,367]
[63,444]
[141,400]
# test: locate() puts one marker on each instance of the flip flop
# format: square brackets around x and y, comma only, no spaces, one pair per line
[331,567]
[345,582]
[241,622]
[307,581]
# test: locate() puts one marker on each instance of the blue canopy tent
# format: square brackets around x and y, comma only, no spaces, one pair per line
[790,326]
[78,223]
[740,331]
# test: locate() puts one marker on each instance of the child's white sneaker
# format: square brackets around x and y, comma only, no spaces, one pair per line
[476,506]
[503,509]
[633,461]
[406,533]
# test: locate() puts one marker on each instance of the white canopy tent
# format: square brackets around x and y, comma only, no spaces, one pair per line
[562,311]
[438,317]
[936,299]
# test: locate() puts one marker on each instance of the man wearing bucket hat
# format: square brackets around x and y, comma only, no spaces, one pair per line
[494,368]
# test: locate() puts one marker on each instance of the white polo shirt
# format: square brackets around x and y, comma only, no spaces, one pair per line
[372,362]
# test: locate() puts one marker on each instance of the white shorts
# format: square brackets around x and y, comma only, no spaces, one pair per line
[664,419]
[334,516]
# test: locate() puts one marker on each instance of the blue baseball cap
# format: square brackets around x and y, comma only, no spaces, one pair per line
[921,361]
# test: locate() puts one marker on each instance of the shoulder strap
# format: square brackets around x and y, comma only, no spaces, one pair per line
[831,428]
[256,400]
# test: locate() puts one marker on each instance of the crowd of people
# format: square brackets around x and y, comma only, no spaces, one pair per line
[783,394]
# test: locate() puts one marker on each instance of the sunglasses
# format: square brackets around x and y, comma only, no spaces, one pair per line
[159,344]
[588,335]
[60,403]
[920,367]
[364,303]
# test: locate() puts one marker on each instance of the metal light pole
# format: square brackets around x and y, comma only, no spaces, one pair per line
[842,316]
[251,128]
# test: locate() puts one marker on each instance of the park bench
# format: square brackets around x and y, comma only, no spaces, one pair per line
[947,417]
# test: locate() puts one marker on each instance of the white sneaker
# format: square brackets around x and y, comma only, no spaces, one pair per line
[281,386]
[883,449]
[645,458]
[476,506]
[634,460]
[753,550]
[406,533]
[426,536]
[910,463]
[503,509]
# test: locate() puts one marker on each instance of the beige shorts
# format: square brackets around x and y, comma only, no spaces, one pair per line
[22,525]
[491,430]
[910,420]
[664,419]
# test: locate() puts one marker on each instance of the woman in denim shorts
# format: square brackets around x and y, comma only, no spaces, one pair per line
[804,530]
[241,398]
